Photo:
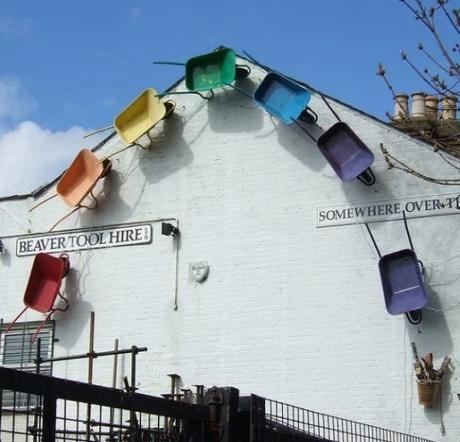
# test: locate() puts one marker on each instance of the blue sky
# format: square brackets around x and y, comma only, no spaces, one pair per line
[70,66]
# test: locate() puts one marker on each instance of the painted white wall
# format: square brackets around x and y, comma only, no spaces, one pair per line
[289,311]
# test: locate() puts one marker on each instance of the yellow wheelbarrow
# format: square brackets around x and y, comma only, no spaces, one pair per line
[139,117]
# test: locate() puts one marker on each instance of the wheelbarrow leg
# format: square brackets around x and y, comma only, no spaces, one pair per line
[15,319]
[41,325]
[66,304]
[63,218]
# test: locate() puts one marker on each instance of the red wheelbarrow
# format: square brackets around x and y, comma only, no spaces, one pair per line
[43,287]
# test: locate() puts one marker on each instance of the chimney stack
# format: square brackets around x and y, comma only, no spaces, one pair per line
[449,107]
[431,104]
[401,109]
[418,105]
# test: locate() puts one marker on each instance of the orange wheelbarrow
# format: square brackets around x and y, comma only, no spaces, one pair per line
[78,181]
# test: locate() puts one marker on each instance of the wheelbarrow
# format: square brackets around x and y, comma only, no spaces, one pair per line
[43,287]
[283,98]
[403,284]
[343,149]
[78,181]
[138,118]
[210,71]
[141,115]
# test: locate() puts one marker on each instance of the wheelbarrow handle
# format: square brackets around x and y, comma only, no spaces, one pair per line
[43,202]
[305,130]
[14,321]
[407,231]
[172,63]
[96,131]
[251,58]
[187,92]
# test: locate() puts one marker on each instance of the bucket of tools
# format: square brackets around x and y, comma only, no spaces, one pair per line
[428,392]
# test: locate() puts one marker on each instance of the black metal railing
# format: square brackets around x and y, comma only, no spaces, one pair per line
[58,409]
[44,408]
[273,421]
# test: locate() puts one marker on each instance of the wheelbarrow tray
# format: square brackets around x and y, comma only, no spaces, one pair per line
[44,282]
[345,152]
[281,97]
[209,71]
[402,282]
[80,178]
[139,116]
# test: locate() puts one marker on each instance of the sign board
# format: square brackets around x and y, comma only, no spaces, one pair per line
[375,211]
[94,238]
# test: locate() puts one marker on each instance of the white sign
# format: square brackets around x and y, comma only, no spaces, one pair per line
[376,211]
[115,236]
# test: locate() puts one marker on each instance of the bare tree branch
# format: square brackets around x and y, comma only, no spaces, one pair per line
[428,21]
[443,7]
[433,60]
[393,162]
[417,71]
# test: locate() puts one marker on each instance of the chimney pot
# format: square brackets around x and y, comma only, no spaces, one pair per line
[431,103]
[401,107]
[418,105]
[449,107]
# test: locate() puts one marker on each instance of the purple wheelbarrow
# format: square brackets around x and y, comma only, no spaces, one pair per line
[402,279]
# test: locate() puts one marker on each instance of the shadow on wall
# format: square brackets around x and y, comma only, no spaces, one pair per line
[301,146]
[169,151]
[72,322]
[230,111]
[432,335]
[5,258]
[446,397]
[109,201]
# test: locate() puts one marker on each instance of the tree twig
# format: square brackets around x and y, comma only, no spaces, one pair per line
[395,163]
[441,4]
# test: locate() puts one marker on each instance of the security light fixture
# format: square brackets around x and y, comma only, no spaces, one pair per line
[2,247]
[168,229]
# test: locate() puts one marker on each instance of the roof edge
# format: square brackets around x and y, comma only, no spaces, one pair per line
[43,188]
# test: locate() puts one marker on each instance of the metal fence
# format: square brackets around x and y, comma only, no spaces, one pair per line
[61,410]
[273,421]
[48,409]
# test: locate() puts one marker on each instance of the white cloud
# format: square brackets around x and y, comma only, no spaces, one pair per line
[15,102]
[31,156]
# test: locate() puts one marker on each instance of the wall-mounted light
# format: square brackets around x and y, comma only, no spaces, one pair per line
[2,247]
[168,229]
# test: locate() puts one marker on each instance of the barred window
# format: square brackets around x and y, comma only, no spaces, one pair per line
[18,351]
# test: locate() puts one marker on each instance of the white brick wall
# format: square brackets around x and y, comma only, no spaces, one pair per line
[289,311]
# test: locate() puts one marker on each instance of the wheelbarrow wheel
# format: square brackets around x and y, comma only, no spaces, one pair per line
[107,167]
[170,105]
[414,317]
[367,177]
[242,72]
[65,258]
[308,116]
